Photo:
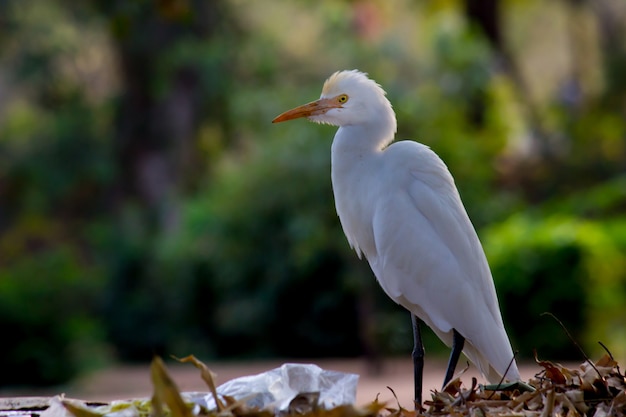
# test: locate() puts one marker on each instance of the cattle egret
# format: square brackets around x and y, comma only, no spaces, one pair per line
[398,205]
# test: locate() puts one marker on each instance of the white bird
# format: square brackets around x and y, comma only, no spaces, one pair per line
[398,205]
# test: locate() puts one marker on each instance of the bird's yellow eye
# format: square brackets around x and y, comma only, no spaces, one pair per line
[342,98]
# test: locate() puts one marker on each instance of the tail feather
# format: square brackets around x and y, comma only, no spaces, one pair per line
[487,370]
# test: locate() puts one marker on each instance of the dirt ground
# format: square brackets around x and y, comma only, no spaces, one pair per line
[124,382]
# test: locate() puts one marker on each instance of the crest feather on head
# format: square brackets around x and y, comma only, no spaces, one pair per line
[347,78]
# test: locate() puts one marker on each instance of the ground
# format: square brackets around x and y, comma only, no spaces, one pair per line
[124,382]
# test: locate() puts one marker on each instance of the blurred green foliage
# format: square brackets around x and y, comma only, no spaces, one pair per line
[148,205]
[47,288]
[280,278]
[587,295]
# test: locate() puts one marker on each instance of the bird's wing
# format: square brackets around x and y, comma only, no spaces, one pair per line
[429,258]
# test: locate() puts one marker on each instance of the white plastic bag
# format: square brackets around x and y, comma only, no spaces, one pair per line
[275,389]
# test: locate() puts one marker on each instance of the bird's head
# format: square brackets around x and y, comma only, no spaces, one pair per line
[348,98]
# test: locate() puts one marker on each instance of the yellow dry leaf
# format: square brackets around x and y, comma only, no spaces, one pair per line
[166,392]
[207,376]
[77,410]
[374,408]
[606,361]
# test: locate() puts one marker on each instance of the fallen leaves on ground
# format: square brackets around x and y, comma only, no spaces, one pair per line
[590,390]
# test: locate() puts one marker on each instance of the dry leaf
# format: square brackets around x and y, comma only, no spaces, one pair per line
[166,392]
[77,410]
[589,390]
[208,376]
[552,372]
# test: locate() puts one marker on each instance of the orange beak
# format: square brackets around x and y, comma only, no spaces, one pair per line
[313,108]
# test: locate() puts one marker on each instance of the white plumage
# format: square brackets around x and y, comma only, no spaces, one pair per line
[399,207]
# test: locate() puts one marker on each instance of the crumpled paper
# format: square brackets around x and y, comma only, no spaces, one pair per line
[275,389]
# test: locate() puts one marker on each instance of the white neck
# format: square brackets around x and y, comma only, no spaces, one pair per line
[356,149]
[372,136]
[355,152]
[352,146]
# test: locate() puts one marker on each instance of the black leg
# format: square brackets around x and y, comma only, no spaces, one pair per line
[418,361]
[457,347]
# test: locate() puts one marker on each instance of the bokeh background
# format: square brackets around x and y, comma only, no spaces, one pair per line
[148,205]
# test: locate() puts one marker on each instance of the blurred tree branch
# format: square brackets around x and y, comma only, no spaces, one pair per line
[163,101]
[486,15]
